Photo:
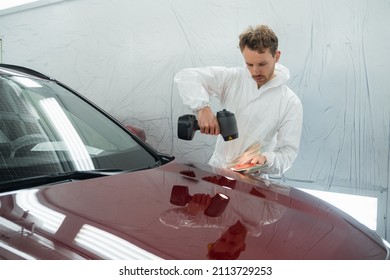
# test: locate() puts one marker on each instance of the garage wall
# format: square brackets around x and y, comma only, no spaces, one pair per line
[123,55]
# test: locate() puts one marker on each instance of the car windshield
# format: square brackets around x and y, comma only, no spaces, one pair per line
[47,129]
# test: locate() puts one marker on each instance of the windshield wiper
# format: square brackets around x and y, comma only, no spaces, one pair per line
[26,183]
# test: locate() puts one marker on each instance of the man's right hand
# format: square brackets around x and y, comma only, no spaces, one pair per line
[208,122]
[198,203]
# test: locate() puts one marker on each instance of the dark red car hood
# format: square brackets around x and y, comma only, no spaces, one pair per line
[130,216]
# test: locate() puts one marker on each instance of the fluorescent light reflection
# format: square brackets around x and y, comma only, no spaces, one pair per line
[51,219]
[16,252]
[109,246]
[27,82]
[72,140]
[9,224]
[351,204]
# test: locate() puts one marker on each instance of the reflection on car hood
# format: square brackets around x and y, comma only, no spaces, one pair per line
[144,215]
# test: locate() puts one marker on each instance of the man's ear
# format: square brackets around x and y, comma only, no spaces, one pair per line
[277,56]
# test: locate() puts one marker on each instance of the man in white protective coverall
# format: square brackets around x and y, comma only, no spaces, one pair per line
[268,113]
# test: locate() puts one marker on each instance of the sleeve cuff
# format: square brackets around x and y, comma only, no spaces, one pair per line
[270,158]
[198,108]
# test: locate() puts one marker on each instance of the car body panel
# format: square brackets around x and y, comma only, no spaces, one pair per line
[137,131]
[126,211]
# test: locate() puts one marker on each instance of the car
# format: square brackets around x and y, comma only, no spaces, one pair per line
[75,183]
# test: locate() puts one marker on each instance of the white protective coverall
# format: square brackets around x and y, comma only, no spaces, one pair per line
[269,117]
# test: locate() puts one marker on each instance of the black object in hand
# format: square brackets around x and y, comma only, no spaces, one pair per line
[188,124]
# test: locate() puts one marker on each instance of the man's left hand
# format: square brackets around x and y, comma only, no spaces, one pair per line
[260,159]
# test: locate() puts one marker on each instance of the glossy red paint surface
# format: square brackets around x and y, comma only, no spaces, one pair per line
[131,216]
[137,131]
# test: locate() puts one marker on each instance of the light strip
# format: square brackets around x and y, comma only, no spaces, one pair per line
[27,82]
[16,252]
[72,140]
[109,246]
[51,219]
[367,215]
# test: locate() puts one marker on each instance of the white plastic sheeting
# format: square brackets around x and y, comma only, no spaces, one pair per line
[123,55]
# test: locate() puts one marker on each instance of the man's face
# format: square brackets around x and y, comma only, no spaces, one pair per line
[260,65]
[231,241]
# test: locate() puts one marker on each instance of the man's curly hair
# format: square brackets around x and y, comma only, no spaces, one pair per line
[259,38]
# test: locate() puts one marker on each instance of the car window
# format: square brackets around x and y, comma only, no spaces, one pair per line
[45,128]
